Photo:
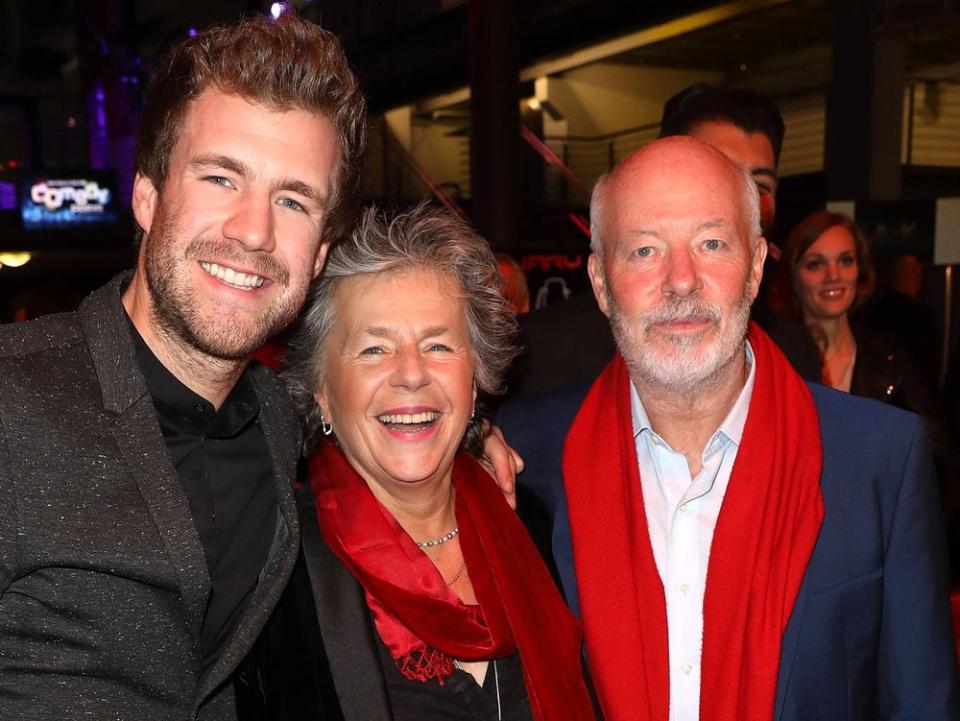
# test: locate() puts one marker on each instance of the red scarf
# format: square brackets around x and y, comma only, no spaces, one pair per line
[765,533]
[422,621]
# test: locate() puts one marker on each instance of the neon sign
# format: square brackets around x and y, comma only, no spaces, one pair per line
[83,196]
[63,203]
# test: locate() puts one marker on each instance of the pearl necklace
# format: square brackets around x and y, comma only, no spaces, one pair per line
[439,541]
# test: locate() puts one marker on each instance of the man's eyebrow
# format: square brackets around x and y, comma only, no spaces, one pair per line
[764,171]
[224,162]
[305,189]
[238,167]
[434,331]
[641,233]
[712,225]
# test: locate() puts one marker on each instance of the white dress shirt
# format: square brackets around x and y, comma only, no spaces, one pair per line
[682,515]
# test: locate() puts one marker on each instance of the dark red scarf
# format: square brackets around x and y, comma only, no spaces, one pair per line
[422,621]
[765,533]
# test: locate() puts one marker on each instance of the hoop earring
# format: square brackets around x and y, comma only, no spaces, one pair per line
[325,428]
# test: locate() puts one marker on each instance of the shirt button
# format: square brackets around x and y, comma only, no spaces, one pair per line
[198,409]
[687,668]
[683,508]
[685,588]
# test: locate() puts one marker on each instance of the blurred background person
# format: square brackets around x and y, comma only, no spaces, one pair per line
[431,599]
[747,127]
[901,312]
[515,288]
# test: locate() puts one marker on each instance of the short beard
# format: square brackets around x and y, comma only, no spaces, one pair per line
[682,367]
[180,314]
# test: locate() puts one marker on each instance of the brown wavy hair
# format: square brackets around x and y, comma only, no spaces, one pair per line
[283,64]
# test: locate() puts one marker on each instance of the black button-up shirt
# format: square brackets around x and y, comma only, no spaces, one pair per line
[224,466]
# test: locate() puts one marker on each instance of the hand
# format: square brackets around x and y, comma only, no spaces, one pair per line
[503,463]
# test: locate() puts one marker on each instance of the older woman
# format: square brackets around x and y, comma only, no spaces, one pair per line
[430,598]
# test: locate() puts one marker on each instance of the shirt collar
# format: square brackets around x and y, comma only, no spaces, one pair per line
[731,427]
[187,411]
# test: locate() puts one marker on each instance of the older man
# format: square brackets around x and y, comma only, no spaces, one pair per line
[739,545]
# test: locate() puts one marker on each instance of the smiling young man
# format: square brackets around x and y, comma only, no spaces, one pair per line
[739,544]
[147,525]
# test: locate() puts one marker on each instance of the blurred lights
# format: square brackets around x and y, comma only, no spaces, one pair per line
[533,103]
[191,32]
[14,260]
[278,9]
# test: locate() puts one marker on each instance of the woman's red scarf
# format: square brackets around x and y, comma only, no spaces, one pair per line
[765,533]
[422,621]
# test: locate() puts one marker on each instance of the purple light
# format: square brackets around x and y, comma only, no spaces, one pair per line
[278,9]
[101,106]
[191,32]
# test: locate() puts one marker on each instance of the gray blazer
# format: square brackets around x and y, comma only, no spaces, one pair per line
[103,579]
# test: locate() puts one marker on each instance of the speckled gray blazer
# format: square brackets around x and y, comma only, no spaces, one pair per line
[103,580]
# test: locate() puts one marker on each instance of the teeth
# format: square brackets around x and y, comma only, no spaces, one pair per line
[232,277]
[409,419]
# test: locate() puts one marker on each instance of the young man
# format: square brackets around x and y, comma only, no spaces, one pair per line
[146,519]
[738,544]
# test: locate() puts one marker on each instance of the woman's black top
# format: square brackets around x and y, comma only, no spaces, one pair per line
[460,698]
[287,675]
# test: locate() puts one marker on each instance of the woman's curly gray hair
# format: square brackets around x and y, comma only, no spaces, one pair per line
[423,237]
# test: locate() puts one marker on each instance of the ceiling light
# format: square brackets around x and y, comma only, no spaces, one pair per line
[14,260]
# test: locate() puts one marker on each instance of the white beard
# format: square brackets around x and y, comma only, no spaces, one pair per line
[678,363]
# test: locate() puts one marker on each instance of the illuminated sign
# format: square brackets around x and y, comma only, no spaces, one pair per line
[79,201]
[8,195]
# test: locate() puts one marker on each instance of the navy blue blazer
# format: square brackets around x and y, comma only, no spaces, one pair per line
[870,633]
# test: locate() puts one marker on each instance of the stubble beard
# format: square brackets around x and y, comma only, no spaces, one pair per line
[684,364]
[194,322]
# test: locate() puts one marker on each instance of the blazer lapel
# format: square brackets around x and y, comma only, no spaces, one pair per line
[281,430]
[140,440]
[344,624]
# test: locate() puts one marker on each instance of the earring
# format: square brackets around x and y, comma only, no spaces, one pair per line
[325,428]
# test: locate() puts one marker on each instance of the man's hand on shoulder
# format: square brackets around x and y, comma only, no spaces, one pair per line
[502,462]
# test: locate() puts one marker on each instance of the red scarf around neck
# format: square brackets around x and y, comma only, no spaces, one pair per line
[422,621]
[766,531]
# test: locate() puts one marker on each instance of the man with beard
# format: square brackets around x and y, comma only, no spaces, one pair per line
[739,544]
[747,127]
[147,522]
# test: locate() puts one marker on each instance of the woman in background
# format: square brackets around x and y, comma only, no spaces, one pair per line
[827,274]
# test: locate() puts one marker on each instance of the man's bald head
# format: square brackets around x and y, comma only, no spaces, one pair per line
[670,163]
[678,260]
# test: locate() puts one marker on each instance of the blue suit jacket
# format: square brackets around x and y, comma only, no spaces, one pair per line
[870,634]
